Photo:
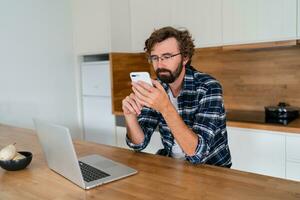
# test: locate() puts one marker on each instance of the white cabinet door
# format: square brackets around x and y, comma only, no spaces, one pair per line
[293,157]
[121,137]
[293,171]
[239,21]
[293,148]
[91,22]
[276,19]
[99,123]
[154,145]
[257,151]
[95,78]
[145,17]
[202,18]
[298,21]
[120,26]
[258,20]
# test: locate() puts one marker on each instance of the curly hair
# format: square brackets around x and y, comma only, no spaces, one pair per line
[183,37]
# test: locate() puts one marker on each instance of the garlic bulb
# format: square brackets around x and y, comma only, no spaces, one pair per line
[8,152]
[18,156]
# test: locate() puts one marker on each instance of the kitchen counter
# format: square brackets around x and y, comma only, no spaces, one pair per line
[256,120]
[248,119]
[176,179]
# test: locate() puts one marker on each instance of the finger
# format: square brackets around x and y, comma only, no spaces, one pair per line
[140,106]
[127,108]
[141,87]
[137,107]
[128,105]
[144,103]
[140,95]
[158,85]
[145,85]
[140,101]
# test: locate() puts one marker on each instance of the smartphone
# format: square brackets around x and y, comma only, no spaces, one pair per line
[141,76]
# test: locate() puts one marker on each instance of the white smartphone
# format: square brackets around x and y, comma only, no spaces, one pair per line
[141,76]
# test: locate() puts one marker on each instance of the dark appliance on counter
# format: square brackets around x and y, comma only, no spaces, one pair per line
[282,114]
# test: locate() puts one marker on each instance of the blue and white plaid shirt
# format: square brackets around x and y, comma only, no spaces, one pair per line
[200,105]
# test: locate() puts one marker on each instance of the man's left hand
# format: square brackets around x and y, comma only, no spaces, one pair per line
[152,97]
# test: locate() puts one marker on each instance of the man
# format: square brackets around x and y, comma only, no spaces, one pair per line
[186,105]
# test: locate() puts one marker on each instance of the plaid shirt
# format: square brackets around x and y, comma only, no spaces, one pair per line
[200,105]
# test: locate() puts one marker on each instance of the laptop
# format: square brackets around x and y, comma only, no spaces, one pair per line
[86,172]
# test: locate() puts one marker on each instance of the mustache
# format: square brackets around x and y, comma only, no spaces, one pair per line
[163,70]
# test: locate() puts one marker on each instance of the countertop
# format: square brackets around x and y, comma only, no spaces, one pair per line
[158,177]
[256,120]
[247,119]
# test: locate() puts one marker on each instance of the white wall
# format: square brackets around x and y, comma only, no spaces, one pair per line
[37,77]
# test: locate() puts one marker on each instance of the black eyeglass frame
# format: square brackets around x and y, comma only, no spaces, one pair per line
[155,59]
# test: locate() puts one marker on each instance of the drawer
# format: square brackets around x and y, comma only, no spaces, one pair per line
[293,148]
[293,171]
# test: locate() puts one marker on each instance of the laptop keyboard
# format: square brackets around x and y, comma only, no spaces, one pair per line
[90,173]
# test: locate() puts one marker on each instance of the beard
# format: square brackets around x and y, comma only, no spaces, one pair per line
[167,76]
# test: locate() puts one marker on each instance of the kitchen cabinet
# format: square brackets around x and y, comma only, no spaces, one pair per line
[98,120]
[265,152]
[91,24]
[123,26]
[253,21]
[154,145]
[298,21]
[257,151]
[120,26]
[293,171]
[203,18]
[145,17]
[293,157]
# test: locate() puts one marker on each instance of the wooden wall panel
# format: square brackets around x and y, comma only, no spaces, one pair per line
[121,65]
[254,78]
[251,78]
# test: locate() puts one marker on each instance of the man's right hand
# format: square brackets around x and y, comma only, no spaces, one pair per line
[130,106]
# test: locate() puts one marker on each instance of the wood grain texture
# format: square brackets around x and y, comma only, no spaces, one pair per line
[254,78]
[158,178]
[261,45]
[121,66]
[251,78]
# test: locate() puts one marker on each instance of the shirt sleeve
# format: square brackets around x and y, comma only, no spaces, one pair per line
[148,120]
[206,121]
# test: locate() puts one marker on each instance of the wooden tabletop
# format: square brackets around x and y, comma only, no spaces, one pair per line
[158,177]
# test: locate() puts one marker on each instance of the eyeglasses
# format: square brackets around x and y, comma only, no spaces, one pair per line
[165,57]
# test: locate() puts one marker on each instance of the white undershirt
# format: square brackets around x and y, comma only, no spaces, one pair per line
[177,152]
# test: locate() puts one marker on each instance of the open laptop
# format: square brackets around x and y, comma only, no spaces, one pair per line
[87,172]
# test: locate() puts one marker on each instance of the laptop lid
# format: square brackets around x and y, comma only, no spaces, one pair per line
[59,151]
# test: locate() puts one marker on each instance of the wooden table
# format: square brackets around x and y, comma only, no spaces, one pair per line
[158,177]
